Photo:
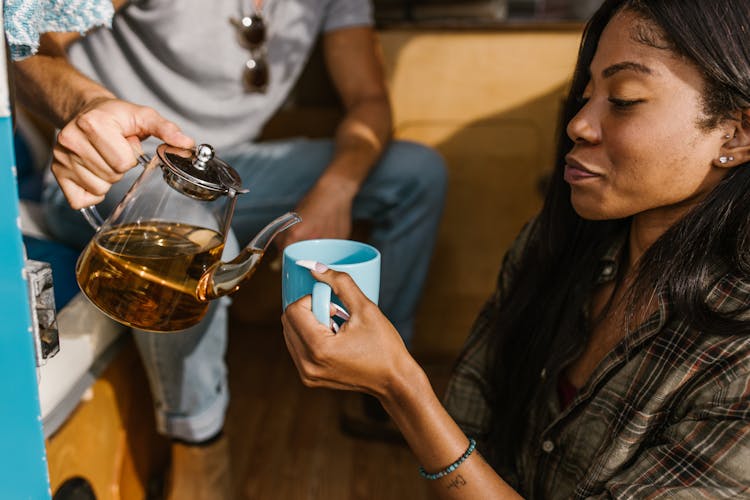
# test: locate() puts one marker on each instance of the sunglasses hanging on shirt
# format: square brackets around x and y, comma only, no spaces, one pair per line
[253,35]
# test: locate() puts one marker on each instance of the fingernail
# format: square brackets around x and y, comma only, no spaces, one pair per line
[307,264]
[312,265]
[340,311]
[334,327]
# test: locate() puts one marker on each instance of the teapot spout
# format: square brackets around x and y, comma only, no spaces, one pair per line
[268,233]
[225,277]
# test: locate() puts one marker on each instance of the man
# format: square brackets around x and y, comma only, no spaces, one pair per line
[196,63]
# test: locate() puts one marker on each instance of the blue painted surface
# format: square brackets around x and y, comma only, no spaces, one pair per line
[23,466]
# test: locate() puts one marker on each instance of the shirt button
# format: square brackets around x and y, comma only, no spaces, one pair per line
[548,446]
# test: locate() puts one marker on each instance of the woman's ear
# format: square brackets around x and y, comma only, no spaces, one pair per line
[736,148]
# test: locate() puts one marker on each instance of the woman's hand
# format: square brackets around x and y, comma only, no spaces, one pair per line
[366,355]
[101,143]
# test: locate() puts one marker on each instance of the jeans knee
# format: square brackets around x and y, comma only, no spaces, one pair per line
[426,169]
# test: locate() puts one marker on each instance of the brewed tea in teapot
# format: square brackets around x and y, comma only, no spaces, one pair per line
[155,263]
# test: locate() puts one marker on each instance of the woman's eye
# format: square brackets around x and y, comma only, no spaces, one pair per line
[624,103]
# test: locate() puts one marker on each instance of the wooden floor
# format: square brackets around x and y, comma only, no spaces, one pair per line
[285,438]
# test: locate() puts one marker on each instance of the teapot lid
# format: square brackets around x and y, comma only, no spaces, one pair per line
[198,173]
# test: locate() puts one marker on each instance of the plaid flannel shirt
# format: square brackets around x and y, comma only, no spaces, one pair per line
[666,414]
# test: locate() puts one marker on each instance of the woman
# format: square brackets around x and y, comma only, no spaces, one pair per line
[614,358]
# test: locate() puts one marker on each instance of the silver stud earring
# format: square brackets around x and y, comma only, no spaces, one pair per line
[727,136]
[724,160]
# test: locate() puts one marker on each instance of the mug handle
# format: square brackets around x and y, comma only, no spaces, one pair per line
[91,214]
[321,303]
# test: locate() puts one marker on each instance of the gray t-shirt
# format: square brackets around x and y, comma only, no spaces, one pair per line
[183,58]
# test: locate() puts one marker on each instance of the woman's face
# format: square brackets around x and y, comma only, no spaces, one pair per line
[639,148]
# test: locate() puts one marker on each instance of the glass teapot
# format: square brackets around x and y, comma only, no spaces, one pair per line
[155,263]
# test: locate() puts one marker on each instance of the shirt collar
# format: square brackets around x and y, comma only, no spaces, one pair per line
[610,261]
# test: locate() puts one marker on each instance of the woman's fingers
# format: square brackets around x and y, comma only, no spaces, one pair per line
[343,287]
[303,335]
[338,311]
[360,357]
[293,344]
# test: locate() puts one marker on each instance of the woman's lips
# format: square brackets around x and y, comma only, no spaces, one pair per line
[575,172]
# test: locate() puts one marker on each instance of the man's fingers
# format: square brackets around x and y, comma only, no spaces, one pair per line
[149,122]
[110,142]
[79,173]
[75,147]
[115,129]
[77,196]
[135,145]
[98,146]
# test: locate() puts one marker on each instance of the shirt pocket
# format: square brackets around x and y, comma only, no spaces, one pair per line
[604,445]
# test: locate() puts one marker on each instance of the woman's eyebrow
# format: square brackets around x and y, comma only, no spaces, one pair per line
[625,66]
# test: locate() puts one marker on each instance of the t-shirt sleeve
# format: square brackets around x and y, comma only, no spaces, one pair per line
[26,20]
[347,14]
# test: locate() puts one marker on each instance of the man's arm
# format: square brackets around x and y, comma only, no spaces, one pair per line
[99,137]
[47,84]
[355,64]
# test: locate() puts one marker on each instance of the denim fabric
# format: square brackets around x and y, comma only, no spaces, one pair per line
[402,198]
[188,375]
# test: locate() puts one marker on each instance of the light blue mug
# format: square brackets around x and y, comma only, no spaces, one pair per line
[359,260]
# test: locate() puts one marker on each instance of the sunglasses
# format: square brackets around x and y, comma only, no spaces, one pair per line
[255,74]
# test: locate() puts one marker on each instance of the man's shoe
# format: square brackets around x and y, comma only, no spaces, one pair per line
[363,417]
[199,471]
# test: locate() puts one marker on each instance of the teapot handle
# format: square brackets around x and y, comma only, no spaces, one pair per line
[91,214]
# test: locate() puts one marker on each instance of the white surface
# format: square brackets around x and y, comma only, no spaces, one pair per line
[86,336]
[87,344]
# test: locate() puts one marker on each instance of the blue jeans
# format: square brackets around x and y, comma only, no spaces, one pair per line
[402,199]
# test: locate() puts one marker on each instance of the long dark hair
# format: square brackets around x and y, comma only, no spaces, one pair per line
[541,319]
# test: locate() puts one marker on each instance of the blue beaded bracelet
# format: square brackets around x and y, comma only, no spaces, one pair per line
[451,467]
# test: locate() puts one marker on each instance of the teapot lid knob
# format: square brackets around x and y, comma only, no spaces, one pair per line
[203,154]
[198,172]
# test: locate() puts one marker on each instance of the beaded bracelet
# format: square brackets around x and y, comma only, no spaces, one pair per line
[451,467]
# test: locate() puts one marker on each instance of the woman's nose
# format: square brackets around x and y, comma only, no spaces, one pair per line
[584,127]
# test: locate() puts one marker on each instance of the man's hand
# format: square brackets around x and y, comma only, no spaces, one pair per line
[326,212]
[101,143]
